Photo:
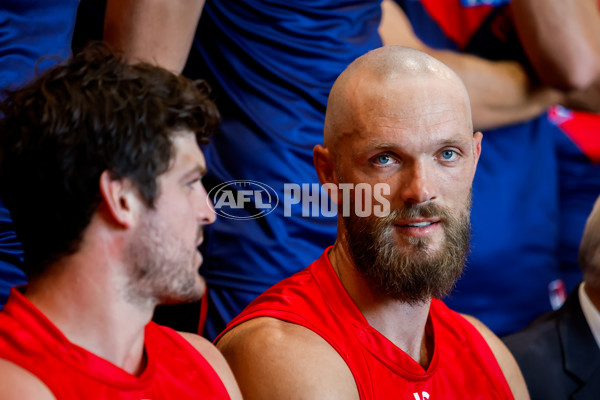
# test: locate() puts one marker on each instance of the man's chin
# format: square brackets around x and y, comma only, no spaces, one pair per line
[418,247]
[198,259]
[186,295]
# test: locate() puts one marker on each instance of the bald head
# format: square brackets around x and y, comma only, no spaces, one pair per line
[382,74]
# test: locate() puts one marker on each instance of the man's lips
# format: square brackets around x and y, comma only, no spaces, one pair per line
[418,226]
[417,222]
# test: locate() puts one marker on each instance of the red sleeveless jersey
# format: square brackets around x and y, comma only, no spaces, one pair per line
[174,370]
[462,367]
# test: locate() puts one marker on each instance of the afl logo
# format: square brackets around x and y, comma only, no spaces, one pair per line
[243,199]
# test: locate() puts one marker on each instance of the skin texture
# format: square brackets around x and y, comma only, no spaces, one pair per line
[562,42]
[399,117]
[156,31]
[106,310]
[589,255]
[561,39]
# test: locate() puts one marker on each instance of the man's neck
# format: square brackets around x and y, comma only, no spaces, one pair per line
[85,300]
[593,293]
[402,323]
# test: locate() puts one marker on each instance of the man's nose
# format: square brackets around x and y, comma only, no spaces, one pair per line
[418,183]
[206,212]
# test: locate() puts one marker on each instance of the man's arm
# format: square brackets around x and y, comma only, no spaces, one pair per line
[561,39]
[216,360]
[501,93]
[157,31]
[19,384]
[584,100]
[272,359]
[505,359]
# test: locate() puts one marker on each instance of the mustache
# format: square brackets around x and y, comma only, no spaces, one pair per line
[429,210]
[412,211]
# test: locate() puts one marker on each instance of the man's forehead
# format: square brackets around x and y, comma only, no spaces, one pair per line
[187,153]
[455,140]
[425,116]
[397,95]
[440,124]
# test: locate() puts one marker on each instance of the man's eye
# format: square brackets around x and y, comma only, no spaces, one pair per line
[384,159]
[194,182]
[448,155]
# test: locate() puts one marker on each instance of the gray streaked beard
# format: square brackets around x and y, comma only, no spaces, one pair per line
[411,275]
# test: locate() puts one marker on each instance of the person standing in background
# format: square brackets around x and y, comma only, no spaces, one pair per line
[29,30]
[533,185]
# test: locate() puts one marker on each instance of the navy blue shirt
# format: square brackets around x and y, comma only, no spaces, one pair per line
[29,30]
[271,64]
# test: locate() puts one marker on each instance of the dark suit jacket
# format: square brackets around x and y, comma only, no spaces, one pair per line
[558,355]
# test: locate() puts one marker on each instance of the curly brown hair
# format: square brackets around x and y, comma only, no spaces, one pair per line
[92,113]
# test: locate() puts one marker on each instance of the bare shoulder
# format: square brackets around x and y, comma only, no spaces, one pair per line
[20,384]
[505,359]
[216,360]
[275,359]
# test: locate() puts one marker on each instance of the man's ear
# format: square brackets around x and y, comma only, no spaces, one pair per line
[120,198]
[325,167]
[477,137]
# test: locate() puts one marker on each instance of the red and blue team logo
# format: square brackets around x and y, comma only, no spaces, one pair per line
[557,293]
[461,19]
[558,115]
[581,127]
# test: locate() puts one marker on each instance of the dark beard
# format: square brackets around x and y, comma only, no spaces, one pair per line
[161,266]
[408,273]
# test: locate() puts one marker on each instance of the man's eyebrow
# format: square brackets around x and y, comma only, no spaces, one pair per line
[384,145]
[197,170]
[445,142]
[452,142]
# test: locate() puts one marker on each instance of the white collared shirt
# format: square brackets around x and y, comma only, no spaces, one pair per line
[591,313]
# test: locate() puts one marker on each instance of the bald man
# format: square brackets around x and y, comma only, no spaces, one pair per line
[365,320]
